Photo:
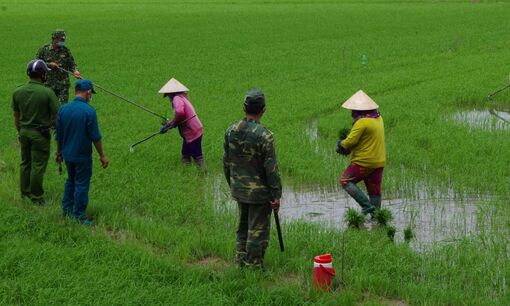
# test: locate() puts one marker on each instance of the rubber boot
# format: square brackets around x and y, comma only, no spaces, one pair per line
[376,202]
[241,259]
[199,161]
[360,197]
[186,159]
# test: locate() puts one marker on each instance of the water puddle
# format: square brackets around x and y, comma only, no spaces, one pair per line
[312,130]
[435,217]
[489,119]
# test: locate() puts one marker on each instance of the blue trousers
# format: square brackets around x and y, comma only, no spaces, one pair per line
[76,192]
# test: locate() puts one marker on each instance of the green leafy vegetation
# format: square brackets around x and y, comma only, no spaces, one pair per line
[163,238]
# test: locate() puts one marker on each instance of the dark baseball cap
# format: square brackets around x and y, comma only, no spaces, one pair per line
[255,97]
[84,85]
[59,33]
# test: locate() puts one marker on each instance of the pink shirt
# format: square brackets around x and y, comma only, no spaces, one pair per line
[183,110]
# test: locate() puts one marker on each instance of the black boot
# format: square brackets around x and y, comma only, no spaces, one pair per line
[376,202]
[199,161]
[186,159]
[359,197]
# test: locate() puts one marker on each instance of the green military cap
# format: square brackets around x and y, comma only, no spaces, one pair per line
[59,33]
[255,97]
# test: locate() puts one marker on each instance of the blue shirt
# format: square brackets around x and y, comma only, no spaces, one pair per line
[77,129]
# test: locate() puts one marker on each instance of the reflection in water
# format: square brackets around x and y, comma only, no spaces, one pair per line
[434,216]
[489,120]
[312,130]
[434,219]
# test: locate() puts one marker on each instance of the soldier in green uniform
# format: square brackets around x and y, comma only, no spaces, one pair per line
[57,55]
[251,170]
[35,107]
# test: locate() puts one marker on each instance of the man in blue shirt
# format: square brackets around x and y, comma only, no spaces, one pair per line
[77,130]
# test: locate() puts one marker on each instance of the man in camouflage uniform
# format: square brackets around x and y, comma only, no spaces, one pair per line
[251,170]
[58,55]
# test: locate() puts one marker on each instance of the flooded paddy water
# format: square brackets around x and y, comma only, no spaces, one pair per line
[435,217]
[488,119]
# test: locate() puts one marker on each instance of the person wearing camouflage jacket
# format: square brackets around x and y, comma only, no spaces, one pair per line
[58,55]
[251,170]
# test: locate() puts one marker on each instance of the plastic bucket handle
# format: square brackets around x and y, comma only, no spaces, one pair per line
[328,270]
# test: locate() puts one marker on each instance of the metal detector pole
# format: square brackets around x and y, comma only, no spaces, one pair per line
[279,231]
[120,97]
[498,91]
[132,147]
[143,140]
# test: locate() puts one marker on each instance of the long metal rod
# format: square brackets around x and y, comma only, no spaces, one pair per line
[120,97]
[143,140]
[157,133]
[499,90]
[279,231]
[495,114]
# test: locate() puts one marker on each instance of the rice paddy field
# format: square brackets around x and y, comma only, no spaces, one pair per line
[165,233]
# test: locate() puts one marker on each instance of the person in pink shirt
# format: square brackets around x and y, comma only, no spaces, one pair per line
[186,120]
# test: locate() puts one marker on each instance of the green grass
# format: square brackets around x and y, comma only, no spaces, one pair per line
[354,219]
[383,216]
[161,239]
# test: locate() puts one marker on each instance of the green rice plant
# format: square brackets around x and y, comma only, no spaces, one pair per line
[391,231]
[159,236]
[343,133]
[383,216]
[408,234]
[354,219]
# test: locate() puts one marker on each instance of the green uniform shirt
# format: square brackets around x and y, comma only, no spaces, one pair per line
[35,104]
[250,164]
[63,57]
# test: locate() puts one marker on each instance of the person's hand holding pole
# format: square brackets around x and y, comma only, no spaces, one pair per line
[166,127]
[275,204]
[53,65]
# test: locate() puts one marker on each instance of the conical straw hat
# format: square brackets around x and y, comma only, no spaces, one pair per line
[173,86]
[360,101]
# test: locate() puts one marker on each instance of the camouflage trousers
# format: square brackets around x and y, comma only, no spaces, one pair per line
[62,92]
[253,233]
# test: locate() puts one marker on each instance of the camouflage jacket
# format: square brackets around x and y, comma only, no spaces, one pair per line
[61,56]
[250,164]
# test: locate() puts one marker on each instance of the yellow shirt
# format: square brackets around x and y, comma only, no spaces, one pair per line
[366,142]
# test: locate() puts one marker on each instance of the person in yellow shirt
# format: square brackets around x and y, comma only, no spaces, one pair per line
[365,144]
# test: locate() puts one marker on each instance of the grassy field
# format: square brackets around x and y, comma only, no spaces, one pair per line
[160,236]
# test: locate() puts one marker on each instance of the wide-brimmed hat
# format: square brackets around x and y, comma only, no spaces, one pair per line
[173,86]
[360,101]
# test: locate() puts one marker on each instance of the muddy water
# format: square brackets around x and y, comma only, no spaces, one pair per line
[489,119]
[435,217]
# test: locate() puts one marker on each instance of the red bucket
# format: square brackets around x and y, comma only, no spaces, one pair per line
[323,271]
